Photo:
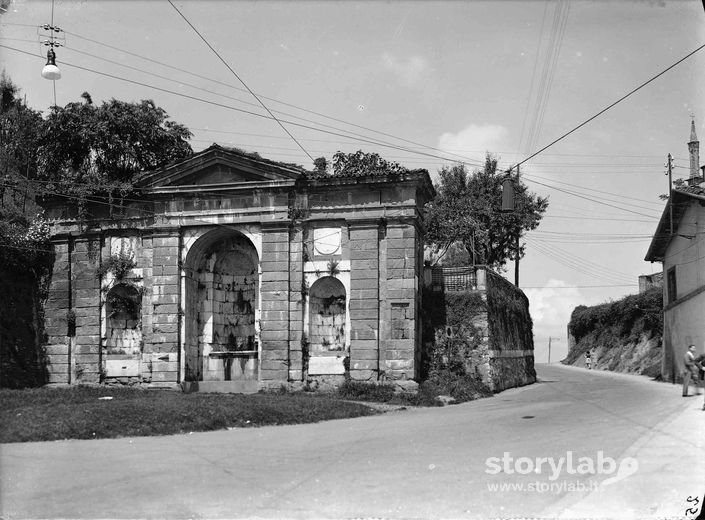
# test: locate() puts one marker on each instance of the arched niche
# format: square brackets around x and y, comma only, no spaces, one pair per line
[326,327]
[123,338]
[221,300]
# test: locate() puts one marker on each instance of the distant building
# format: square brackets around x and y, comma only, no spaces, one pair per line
[679,244]
[649,281]
[229,272]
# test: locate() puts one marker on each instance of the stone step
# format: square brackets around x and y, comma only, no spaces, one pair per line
[221,387]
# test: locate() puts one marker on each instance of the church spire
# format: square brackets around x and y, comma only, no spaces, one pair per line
[694,151]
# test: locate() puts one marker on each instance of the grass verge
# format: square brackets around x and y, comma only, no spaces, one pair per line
[46,414]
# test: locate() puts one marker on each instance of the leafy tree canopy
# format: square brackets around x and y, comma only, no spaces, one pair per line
[467,210]
[88,149]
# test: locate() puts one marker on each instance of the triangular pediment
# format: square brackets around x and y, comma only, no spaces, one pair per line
[220,166]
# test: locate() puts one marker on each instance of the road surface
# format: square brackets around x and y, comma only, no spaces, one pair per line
[605,446]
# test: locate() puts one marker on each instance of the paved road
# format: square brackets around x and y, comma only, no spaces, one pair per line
[421,463]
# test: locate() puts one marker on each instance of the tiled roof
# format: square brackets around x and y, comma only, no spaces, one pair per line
[680,199]
[693,190]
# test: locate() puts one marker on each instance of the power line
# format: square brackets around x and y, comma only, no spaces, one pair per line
[599,218]
[609,107]
[533,74]
[185,71]
[657,203]
[579,264]
[229,107]
[239,78]
[304,126]
[589,199]
[582,286]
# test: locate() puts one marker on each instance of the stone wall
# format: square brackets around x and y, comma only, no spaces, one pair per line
[511,338]
[474,318]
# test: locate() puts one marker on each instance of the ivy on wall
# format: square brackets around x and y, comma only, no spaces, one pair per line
[119,264]
[509,322]
[450,334]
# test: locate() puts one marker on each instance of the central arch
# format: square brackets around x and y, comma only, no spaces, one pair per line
[221,301]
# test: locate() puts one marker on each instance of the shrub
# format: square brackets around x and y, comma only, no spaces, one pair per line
[119,264]
[461,387]
[366,391]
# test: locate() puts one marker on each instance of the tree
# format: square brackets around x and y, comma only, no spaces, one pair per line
[25,252]
[467,209]
[20,130]
[98,150]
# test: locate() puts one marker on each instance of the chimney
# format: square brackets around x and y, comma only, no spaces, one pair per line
[694,151]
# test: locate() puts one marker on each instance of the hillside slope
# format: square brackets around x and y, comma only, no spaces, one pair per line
[623,335]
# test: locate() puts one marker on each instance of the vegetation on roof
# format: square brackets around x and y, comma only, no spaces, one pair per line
[356,164]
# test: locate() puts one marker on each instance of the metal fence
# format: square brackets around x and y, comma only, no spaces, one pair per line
[454,278]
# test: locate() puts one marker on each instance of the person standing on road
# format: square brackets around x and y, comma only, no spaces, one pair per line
[690,371]
[700,364]
[588,360]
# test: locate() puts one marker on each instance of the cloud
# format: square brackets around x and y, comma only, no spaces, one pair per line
[477,138]
[409,71]
[551,306]
[550,309]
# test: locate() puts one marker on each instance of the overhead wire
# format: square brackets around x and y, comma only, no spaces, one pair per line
[577,263]
[560,20]
[533,75]
[238,77]
[619,195]
[590,199]
[229,107]
[642,85]
[190,72]
[519,163]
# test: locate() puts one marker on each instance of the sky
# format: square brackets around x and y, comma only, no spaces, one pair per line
[423,83]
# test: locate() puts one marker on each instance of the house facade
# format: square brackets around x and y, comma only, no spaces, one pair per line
[679,244]
[229,272]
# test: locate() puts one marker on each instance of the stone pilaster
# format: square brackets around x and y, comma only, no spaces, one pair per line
[402,289]
[85,285]
[364,300]
[297,301]
[56,312]
[274,321]
[161,307]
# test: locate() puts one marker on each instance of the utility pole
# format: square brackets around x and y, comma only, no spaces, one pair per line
[516,246]
[549,347]
[670,187]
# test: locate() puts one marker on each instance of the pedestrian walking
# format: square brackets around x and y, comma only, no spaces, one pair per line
[588,360]
[691,371]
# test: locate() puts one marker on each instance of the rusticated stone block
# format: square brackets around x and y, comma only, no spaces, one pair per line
[399,364]
[363,375]
[365,354]
[363,364]
[56,350]
[268,344]
[270,267]
[273,325]
[92,339]
[272,372]
[274,355]
[363,344]
[165,376]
